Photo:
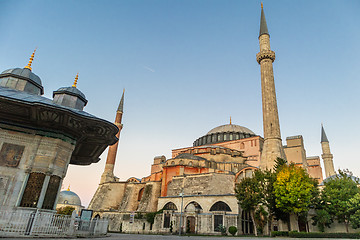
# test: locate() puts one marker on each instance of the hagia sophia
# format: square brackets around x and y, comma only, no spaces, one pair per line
[195,188]
[196,185]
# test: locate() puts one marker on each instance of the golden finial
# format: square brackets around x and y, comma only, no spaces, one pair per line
[68,189]
[123,90]
[76,79]
[30,61]
[262,6]
[230,120]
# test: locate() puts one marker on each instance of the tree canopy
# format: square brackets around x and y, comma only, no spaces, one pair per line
[339,198]
[294,190]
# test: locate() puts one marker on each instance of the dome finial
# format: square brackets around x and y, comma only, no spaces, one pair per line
[262,6]
[76,79]
[68,189]
[230,120]
[31,59]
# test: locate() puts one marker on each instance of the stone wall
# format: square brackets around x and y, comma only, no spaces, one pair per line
[202,184]
[108,196]
[23,151]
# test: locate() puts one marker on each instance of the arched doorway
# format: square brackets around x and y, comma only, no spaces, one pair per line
[190,224]
[168,209]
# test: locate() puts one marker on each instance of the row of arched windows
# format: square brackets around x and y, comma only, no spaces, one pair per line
[218,206]
[220,137]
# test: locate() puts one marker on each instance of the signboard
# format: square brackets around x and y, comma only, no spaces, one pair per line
[132,216]
[86,214]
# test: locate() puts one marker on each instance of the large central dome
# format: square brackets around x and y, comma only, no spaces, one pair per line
[224,133]
[230,128]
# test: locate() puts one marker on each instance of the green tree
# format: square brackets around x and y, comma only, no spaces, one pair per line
[354,210]
[322,219]
[336,195]
[294,190]
[249,196]
[65,210]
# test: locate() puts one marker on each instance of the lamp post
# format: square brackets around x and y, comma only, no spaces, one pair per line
[181,210]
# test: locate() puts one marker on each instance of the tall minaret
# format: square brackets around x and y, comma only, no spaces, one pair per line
[108,175]
[272,148]
[327,156]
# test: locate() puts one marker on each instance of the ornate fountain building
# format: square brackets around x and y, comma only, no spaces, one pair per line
[40,137]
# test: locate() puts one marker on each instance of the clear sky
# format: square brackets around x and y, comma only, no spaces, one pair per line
[188,65]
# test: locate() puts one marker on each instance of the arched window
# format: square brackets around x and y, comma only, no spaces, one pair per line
[181,162]
[140,194]
[172,163]
[170,206]
[242,145]
[190,163]
[193,207]
[220,206]
[32,190]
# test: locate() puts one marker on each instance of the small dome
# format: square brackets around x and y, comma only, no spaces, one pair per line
[72,91]
[22,74]
[231,128]
[69,197]
[355,179]
[70,97]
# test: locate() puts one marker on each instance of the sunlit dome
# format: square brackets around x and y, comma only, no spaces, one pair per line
[68,197]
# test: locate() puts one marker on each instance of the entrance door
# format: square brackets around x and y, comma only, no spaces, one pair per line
[190,224]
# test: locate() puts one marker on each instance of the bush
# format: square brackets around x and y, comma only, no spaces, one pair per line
[279,233]
[65,210]
[222,229]
[232,230]
[324,235]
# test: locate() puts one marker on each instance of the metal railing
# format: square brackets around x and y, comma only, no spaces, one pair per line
[40,223]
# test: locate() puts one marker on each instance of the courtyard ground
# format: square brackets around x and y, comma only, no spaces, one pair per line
[112,236]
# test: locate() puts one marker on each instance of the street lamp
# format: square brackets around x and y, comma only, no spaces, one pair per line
[181,210]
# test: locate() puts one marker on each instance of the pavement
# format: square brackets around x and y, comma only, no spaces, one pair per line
[112,236]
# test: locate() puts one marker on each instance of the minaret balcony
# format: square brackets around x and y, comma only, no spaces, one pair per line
[265,54]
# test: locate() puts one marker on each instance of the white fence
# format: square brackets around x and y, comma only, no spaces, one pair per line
[38,223]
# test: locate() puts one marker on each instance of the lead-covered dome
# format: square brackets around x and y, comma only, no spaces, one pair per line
[231,128]
[70,97]
[69,197]
[22,79]
[224,133]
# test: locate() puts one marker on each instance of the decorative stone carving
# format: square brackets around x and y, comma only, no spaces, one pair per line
[10,155]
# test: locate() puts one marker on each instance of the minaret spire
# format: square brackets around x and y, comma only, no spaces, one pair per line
[108,175]
[327,156]
[121,104]
[263,25]
[272,145]
[31,60]
[323,135]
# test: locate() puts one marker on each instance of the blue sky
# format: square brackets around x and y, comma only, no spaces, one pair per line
[189,65]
